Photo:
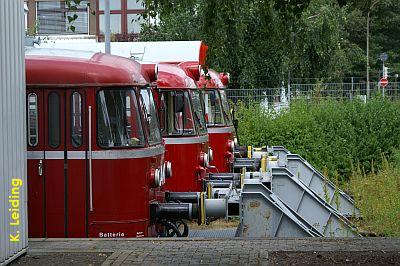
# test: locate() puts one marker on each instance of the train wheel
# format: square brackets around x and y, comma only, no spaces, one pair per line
[175,229]
[182,227]
[171,230]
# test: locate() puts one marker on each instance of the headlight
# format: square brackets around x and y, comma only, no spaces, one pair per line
[231,146]
[204,159]
[210,154]
[168,169]
[158,179]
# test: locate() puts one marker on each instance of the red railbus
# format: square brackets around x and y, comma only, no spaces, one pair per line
[95,152]
[183,127]
[219,121]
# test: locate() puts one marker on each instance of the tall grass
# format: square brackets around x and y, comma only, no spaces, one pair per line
[378,197]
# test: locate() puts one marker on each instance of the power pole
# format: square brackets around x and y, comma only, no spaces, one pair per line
[107,26]
[368,22]
[368,88]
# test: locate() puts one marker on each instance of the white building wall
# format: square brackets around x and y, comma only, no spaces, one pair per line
[13,211]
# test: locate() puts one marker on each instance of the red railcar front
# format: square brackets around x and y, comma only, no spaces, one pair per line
[219,121]
[183,127]
[95,154]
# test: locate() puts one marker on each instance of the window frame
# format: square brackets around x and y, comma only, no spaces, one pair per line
[226,113]
[49,127]
[217,96]
[124,11]
[64,8]
[148,89]
[201,99]
[72,119]
[28,120]
[140,118]
[165,133]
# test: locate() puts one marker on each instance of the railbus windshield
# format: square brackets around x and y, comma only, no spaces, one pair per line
[118,119]
[217,108]
[225,107]
[198,108]
[176,117]
[213,108]
[148,106]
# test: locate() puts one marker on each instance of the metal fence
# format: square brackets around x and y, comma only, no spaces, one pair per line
[336,91]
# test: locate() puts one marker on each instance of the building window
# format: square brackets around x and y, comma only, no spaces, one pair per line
[52,18]
[135,22]
[114,5]
[135,4]
[125,17]
[115,23]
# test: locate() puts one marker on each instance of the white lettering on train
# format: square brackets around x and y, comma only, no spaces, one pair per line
[111,235]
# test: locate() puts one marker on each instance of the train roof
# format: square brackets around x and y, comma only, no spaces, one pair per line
[169,51]
[215,81]
[217,78]
[171,76]
[56,67]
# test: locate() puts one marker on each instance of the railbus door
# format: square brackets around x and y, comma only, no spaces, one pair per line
[57,176]
[35,155]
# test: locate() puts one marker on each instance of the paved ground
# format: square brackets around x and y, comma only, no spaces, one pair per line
[212,233]
[59,258]
[334,258]
[214,251]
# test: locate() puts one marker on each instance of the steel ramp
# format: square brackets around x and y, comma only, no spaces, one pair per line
[317,182]
[265,215]
[310,206]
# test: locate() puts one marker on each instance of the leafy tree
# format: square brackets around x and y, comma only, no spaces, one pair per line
[262,42]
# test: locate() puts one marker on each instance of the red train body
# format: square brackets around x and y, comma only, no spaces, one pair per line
[95,155]
[183,126]
[219,122]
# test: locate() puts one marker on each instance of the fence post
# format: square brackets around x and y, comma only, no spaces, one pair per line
[288,89]
[352,88]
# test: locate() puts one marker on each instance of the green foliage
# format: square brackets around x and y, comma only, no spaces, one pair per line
[259,40]
[329,134]
[73,5]
[33,31]
[384,32]
[377,196]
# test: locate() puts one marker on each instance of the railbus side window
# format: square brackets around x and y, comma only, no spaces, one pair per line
[33,130]
[54,120]
[163,115]
[214,108]
[76,119]
[149,108]
[176,113]
[198,111]
[226,108]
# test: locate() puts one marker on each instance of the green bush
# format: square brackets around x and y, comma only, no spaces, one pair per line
[331,135]
[336,136]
